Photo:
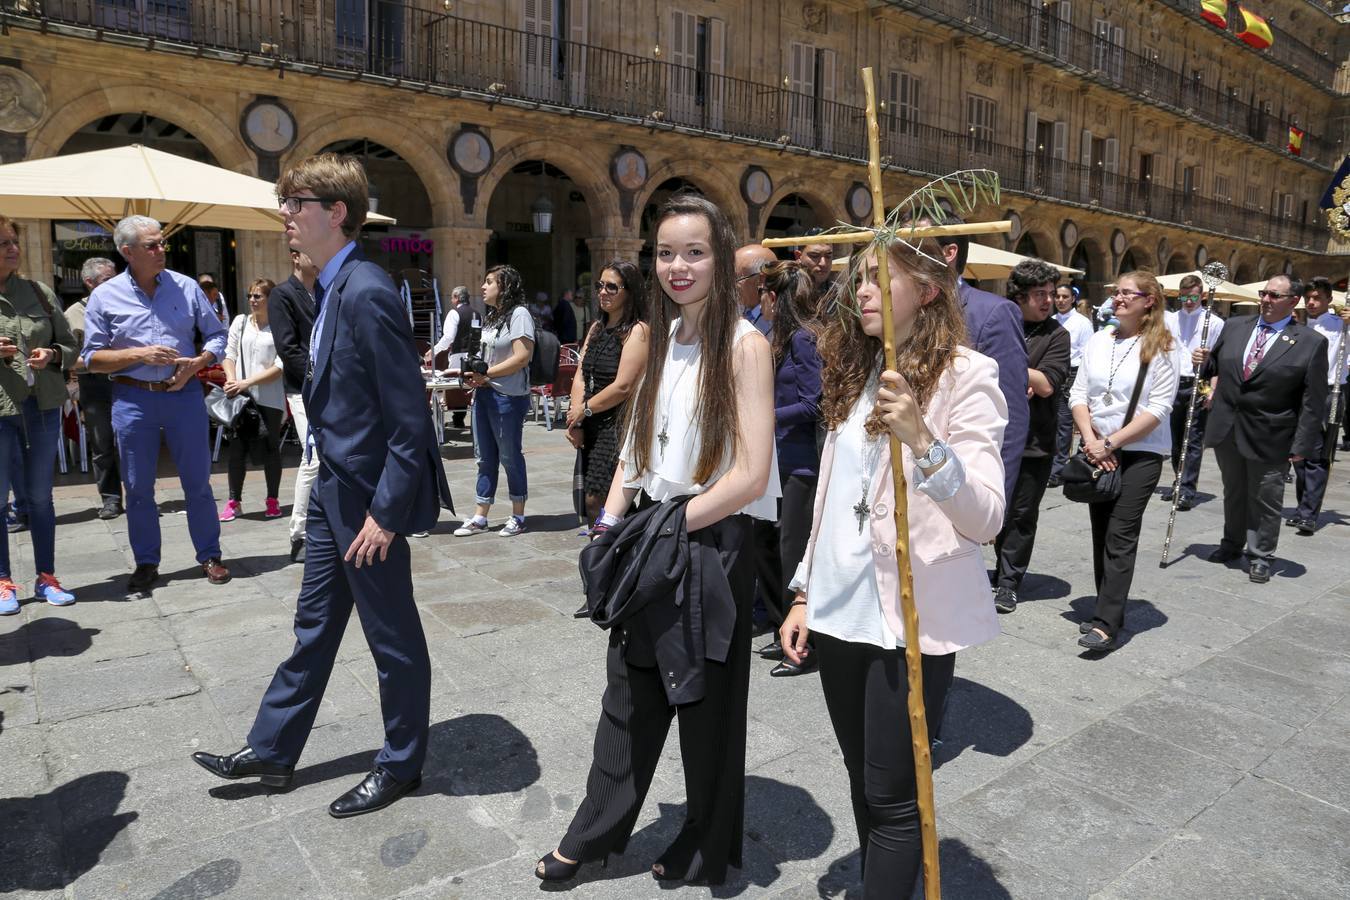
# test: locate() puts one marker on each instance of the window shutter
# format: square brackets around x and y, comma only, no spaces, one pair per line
[1065,15]
[1061,150]
[1031,133]
[717,64]
[827,67]
[1085,149]
[1112,158]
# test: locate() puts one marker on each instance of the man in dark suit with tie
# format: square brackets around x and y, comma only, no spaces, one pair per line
[1269,376]
[380,478]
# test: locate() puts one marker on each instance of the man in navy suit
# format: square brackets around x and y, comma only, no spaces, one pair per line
[380,478]
[995,326]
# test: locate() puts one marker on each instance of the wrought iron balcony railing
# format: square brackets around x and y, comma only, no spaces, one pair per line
[404,42]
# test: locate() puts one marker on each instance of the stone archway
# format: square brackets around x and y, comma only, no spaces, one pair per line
[824,211]
[1142,257]
[1179,262]
[221,138]
[425,158]
[1090,257]
[711,182]
[602,197]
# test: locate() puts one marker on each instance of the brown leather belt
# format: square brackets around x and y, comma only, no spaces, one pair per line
[157,386]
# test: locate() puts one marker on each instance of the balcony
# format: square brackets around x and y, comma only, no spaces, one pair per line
[495,63]
[1029,26]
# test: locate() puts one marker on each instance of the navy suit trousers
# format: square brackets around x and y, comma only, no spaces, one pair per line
[383,596]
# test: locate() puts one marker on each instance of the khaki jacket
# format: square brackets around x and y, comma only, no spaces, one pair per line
[24,320]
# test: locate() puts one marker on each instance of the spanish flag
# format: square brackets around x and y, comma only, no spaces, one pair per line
[1255,32]
[1295,141]
[1215,12]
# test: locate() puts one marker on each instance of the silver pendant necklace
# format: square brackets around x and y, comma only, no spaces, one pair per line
[1115,366]
[663,436]
[870,453]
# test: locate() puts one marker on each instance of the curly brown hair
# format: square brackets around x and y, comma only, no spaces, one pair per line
[851,357]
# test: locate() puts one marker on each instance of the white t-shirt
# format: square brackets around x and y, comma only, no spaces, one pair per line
[1108,397]
[1330,326]
[1187,328]
[1080,329]
[252,350]
[496,348]
[670,472]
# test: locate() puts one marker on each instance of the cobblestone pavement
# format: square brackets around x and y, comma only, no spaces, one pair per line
[1207,758]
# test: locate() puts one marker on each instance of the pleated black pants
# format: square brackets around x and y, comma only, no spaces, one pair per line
[634,720]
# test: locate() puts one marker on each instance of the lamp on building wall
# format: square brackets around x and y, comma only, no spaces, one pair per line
[541,210]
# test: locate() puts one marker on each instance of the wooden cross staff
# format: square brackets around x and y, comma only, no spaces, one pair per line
[918,720]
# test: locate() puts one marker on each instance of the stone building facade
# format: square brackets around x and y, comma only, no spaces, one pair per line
[1127,133]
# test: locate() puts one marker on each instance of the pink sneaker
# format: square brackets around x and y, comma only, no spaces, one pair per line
[231,511]
[273,509]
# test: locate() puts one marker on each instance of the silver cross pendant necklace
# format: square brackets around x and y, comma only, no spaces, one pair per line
[663,436]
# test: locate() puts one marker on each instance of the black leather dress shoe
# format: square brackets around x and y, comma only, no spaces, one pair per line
[1223,555]
[1305,527]
[1186,502]
[1167,495]
[772,651]
[111,509]
[245,764]
[143,579]
[376,791]
[1259,572]
[787,668]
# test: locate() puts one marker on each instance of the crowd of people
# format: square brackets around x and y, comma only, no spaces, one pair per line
[731,414]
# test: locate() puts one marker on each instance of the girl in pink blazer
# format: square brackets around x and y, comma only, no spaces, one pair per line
[949,414]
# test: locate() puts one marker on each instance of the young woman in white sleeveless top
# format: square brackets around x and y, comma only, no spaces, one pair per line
[700,426]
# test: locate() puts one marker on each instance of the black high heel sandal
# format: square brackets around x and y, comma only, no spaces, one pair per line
[550,868]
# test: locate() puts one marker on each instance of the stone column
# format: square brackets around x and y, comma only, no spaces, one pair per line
[460,257]
[603,249]
[35,238]
[258,254]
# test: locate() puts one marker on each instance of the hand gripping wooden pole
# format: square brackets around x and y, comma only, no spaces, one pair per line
[918,719]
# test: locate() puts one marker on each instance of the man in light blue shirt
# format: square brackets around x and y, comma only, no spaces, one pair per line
[141,329]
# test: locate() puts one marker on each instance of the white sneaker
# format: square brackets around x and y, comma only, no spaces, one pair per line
[512,527]
[470,527]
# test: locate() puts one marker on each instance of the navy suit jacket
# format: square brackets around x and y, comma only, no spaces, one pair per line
[367,405]
[995,326]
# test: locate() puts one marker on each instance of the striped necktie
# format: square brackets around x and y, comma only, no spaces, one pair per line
[1258,351]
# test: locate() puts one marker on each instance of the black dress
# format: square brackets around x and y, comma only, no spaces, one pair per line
[600,432]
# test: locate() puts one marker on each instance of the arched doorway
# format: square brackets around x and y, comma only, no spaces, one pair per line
[540,221]
[396,190]
[1127,263]
[1244,273]
[1178,264]
[192,250]
[1026,246]
[793,216]
[1088,257]
[664,191]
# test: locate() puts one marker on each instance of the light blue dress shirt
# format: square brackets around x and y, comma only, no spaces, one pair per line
[120,316]
[1277,328]
[325,281]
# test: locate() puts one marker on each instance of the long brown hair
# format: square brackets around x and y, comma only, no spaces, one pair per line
[716,406]
[1153,334]
[851,357]
[794,306]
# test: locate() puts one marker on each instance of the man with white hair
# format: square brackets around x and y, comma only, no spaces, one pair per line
[96,398]
[141,329]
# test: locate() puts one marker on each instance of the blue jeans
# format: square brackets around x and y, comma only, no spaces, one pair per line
[30,438]
[141,420]
[498,425]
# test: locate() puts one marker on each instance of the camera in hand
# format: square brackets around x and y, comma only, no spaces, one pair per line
[474,362]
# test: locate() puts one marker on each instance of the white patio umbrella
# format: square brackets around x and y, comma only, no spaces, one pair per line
[105,186]
[1226,290]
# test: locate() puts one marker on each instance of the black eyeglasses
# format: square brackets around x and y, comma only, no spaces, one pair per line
[293,205]
[745,278]
[1274,295]
[607,287]
[152,246]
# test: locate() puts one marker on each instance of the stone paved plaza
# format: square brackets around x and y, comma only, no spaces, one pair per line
[1206,759]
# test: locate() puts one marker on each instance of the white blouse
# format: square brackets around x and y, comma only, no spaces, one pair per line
[252,350]
[842,583]
[1106,380]
[672,461]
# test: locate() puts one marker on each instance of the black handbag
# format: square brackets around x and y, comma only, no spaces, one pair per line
[1086,482]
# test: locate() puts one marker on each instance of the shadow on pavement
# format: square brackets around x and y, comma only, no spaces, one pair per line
[1037,586]
[964,875]
[472,755]
[48,860]
[75,518]
[46,637]
[1140,616]
[981,719]
[211,880]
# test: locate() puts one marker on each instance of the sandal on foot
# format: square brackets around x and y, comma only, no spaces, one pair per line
[550,868]
[1098,640]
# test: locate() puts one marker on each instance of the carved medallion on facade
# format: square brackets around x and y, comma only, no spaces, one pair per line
[22,102]
[816,17]
[984,73]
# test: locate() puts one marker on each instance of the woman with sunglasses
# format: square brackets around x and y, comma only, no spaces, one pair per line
[253,367]
[613,358]
[1124,390]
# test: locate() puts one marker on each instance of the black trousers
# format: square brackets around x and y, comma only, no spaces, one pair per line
[269,442]
[779,547]
[96,406]
[1195,451]
[634,721]
[867,695]
[382,594]
[1063,425]
[1310,475]
[1253,498]
[1115,535]
[1013,546]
